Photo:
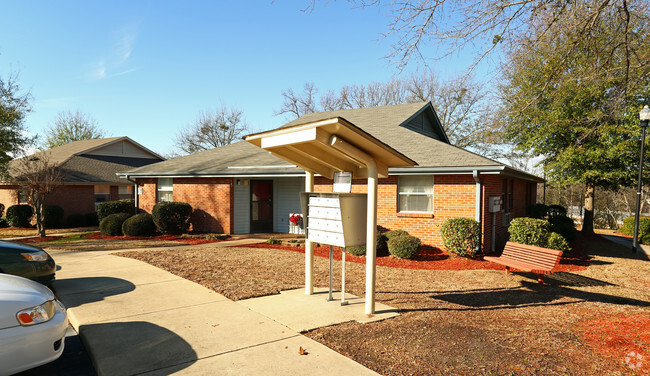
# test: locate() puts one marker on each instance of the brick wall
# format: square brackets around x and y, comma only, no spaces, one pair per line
[211,199]
[74,199]
[453,196]
[8,196]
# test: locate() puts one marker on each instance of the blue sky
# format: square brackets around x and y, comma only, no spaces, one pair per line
[145,69]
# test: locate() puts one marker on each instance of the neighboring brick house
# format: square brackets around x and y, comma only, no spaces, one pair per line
[90,170]
[241,188]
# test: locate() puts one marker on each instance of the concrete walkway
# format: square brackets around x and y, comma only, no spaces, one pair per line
[136,319]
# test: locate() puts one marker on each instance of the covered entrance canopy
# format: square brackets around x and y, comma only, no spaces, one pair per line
[324,147]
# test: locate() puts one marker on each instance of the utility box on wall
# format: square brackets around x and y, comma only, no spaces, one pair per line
[494,204]
[337,219]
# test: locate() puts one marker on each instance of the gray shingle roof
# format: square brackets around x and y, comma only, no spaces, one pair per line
[243,156]
[382,123]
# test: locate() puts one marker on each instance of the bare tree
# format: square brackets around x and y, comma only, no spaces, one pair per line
[212,129]
[38,177]
[461,105]
[485,25]
[72,126]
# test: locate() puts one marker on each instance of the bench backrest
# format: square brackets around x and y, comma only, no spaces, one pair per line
[544,258]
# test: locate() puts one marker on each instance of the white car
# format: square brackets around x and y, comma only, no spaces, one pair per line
[32,325]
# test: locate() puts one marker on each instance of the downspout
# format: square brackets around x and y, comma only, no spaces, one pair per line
[477,179]
[371,224]
[309,246]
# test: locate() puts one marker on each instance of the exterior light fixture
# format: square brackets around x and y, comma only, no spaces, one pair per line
[644,117]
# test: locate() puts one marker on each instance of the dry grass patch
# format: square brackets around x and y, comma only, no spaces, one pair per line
[452,322]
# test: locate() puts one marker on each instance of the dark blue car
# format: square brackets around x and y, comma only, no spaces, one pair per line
[26,261]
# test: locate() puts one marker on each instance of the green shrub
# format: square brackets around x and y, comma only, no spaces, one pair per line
[557,241]
[172,217]
[645,239]
[405,246]
[2,210]
[460,236]
[382,247]
[20,215]
[538,211]
[530,231]
[555,211]
[3,222]
[628,226]
[139,225]
[273,241]
[76,220]
[91,219]
[112,225]
[113,207]
[393,233]
[53,214]
[564,226]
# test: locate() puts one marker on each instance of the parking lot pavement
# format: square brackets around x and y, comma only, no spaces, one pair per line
[73,362]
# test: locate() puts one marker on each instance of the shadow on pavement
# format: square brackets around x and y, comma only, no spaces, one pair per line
[74,292]
[134,347]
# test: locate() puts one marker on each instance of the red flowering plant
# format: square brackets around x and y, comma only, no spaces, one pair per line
[296,219]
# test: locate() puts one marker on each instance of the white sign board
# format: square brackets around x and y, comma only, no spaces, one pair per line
[342,182]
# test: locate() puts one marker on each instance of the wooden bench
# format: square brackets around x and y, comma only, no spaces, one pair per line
[528,258]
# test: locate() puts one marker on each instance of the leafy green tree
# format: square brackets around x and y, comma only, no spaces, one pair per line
[574,99]
[14,106]
[72,126]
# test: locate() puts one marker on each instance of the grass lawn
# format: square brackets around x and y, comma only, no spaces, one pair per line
[460,322]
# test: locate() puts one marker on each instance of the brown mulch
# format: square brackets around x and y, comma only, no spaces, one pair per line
[428,259]
[461,322]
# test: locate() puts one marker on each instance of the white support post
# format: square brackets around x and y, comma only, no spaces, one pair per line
[371,224]
[309,246]
[371,238]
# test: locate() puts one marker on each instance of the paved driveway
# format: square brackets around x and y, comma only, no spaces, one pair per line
[137,319]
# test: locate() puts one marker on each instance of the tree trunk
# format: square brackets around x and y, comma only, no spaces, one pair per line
[588,220]
[39,219]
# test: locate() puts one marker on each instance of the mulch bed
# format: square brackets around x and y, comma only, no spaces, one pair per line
[40,239]
[614,335]
[427,259]
[166,237]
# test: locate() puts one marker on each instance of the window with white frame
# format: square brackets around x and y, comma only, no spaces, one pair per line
[165,190]
[102,193]
[415,194]
[125,192]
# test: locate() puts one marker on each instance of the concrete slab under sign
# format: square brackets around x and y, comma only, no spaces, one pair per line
[301,312]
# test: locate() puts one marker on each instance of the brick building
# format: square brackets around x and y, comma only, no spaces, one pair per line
[90,170]
[241,188]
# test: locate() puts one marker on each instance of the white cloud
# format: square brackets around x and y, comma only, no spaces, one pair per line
[116,61]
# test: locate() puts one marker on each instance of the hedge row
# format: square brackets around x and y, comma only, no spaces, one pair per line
[166,217]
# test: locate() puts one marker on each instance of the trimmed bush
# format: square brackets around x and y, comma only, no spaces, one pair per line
[3,222]
[555,211]
[460,236]
[172,217]
[530,231]
[139,225]
[76,220]
[393,233]
[53,214]
[564,226]
[112,225]
[273,241]
[538,211]
[382,247]
[405,246]
[645,239]
[20,215]
[113,207]
[628,226]
[557,241]
[2,209]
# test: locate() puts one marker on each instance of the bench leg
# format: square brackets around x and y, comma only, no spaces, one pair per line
[540,278]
